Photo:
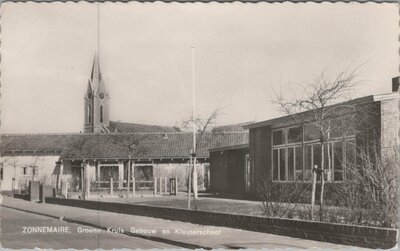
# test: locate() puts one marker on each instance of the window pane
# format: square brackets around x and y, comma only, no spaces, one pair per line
[294,134]
[299,175]
[278,138]
[338,156]
[308,163]
[311,132]
[338,176]
[299,158]
[317,155]
[350,159]
[351,153]
[282,164]
[275,164]
[290,164]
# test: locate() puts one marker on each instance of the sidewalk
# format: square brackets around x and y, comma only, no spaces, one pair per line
[173,232]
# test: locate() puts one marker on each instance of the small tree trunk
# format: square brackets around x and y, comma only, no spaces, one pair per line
[322,180]
[190,182]
[194,183]
[314,180]
[322,196]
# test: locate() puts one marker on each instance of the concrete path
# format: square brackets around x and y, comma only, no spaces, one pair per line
[17,232]
[171,232]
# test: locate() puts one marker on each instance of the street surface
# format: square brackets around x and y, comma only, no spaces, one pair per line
[177,233]
[17,232]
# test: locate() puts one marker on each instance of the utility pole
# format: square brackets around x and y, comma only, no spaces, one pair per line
[194,181]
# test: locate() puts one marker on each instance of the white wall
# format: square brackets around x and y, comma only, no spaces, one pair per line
[13,168]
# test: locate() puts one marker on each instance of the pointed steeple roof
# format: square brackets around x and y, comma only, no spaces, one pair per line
[95,76]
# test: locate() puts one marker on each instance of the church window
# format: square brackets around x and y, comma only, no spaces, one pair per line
[89,114]
[101,114]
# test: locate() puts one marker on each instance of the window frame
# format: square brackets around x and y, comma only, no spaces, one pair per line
[286,145]
[303,144]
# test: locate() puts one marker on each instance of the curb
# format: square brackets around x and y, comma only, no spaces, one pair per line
[147,237]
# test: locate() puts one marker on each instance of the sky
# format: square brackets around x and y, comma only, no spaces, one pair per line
[244,53]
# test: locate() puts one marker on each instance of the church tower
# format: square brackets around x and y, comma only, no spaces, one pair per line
[97,109]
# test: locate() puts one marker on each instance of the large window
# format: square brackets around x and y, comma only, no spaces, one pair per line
[287,154]
[296,151]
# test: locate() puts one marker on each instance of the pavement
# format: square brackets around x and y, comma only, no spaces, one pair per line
[175,233]
[17,233]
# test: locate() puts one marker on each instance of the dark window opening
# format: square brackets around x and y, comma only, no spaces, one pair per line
[278,138]
[282,164]
[311,132]
[1,171]
[101,114]
[275,164]
[89,111]
[294,134]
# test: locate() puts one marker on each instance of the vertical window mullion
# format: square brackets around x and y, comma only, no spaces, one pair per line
[286,163]
[279,164]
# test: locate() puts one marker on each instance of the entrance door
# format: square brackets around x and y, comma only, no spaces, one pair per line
[247,173]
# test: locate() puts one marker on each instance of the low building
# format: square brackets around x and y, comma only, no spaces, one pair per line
[285,151]
[52,157]
[230,170]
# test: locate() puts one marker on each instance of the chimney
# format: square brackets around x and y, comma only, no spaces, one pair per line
[395,84]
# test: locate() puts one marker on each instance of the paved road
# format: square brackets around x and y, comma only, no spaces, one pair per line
[12,234]
[166,231]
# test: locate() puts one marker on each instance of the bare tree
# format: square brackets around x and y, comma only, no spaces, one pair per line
[202,125]
[325,104]
[373,189]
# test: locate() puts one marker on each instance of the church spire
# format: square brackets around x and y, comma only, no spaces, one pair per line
[96,101]
[95,76]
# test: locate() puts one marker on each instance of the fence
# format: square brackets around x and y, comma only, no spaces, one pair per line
[120,188]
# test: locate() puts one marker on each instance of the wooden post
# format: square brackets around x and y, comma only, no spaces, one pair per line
[132,166]
[176,185]
[65,188]
[41,191]
[82,184]
[165,186]
[314,180]
[87,187]
[59,181]
[155,185]
[111,187]
[161,186]
[98,174]
[129,178]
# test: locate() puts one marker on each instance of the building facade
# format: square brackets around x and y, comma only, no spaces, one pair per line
[285,151]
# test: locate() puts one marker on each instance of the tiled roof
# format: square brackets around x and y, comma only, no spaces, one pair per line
[232,128]
[122,127]
[37,142]
[122,145]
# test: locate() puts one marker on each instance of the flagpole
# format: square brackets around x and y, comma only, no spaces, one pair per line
[194,103]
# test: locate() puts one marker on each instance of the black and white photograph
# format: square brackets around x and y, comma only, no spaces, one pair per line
[199,125]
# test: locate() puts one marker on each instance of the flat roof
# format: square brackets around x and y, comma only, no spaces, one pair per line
[362,100]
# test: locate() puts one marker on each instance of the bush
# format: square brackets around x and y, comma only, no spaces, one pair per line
[281,200]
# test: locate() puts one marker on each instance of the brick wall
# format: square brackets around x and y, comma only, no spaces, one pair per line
[370,237]
[227,171]
[260,154]
[390,123]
